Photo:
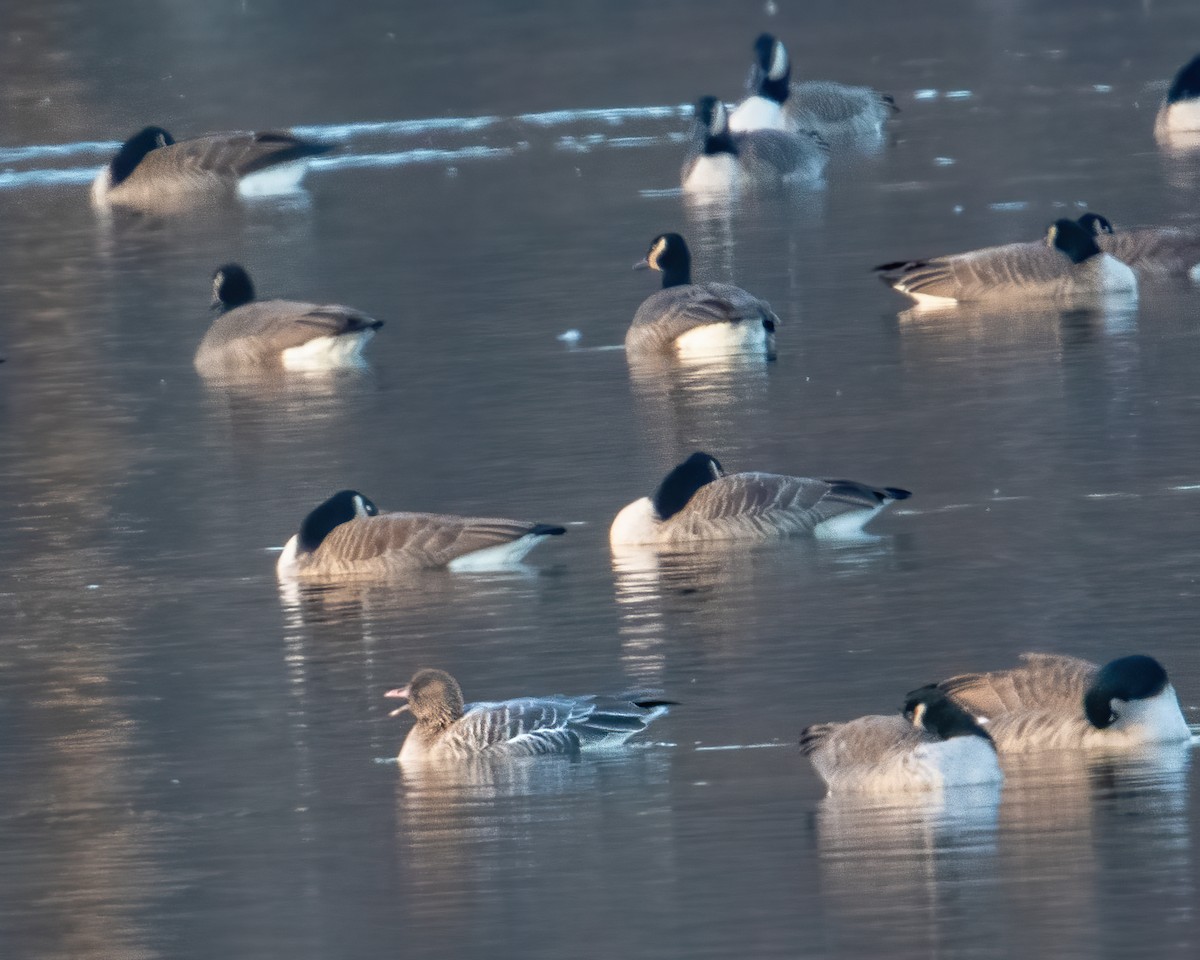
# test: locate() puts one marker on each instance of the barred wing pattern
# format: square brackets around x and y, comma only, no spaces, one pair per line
[224,156]
[774,154]
[1158,251]
[764,505]
[668,314]
[544,725]
[392,542]
[1010,269]
[881,753]
[255,335]
[832,108]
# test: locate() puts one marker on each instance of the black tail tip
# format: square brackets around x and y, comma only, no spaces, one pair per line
[547,530]
[896,493]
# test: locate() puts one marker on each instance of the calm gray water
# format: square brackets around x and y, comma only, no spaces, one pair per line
[194,764]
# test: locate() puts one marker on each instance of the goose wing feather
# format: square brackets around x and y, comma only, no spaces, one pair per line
[414,540]
[979,273]
[1045,683]
[825,103]
[668,314]
[257,332]
[767,503]
[768,154]
[1157,250]
[225,156]
[522,727]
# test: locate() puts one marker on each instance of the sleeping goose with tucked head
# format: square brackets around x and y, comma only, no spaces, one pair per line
[448,730]
[934,745]
[822,106]
[347,536]
[153,172]
[1068,266]
[261,335]
[1056,702]
[722,163]
[698,502]
[696,319]
[1179,113]
[1151,252]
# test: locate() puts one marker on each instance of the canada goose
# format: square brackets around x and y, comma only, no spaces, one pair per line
[1148,251]
[826,108]
[446,729]
[153,172]
[695,319]
[697,502]
[1180,111]
[253,335]
[1068,265]
[1056,702]
[935,744]
[347,536]
[721,162]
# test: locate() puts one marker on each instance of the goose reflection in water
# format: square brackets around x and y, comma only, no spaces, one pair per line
[1051,849]
[473,838]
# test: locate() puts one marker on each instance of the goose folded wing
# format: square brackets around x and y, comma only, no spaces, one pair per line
[780,154]
[1044,683]
[968,276]
[523,727]
[425,539]
[233,155]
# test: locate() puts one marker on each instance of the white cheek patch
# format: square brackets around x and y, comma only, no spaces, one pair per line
[918,715]
[655,253]
[779,62]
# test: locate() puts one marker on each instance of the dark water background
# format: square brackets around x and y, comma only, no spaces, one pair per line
[193,763]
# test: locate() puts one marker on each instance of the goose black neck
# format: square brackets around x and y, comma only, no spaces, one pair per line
[677,273]
[134,149]
[776,90]
[715,143]
[681,484]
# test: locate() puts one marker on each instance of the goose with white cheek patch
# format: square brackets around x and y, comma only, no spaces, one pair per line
[698,502]
[934,745]
[723,163]
[696,319]
[1068,266]
[822,106]
[254,335]
[1055,702]
[153,172]
[1180,111]
[448,730]
[1151,252]
[347,536]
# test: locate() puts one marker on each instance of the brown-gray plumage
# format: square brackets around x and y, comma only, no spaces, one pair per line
[721,161]
[347,536]
[1054,701]
[448,730]
[698,502]
[154,172]
[829,109]
[1069,264]
[737,319]
[934,744]
[255,335]
[833,109]
[1152,252]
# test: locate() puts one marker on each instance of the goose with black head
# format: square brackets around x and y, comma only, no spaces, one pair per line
[347,536]
[698,502]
